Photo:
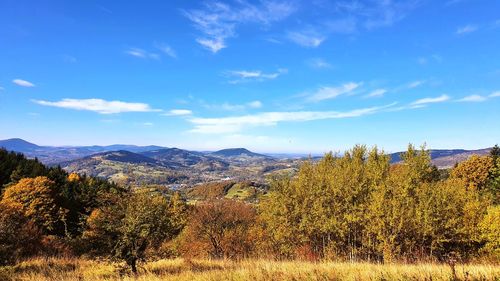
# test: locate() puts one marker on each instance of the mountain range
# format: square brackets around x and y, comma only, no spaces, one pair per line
[131,164]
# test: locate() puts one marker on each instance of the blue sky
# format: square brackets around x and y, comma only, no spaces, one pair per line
[272,75]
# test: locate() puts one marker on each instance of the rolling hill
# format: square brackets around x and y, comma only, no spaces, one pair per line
[176,158]
[238,152]
[19,145]
[53,155]
[136,165]
[123,156]
[446,158]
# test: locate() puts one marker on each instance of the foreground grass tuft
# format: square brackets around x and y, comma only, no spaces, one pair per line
[67,269]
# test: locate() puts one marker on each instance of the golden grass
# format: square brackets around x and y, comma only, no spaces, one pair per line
[192,270]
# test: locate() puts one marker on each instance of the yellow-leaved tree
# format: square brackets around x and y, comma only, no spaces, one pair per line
[475,171]
[35,198]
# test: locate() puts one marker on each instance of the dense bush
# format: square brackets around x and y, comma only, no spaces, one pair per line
[220,229]
[359,207]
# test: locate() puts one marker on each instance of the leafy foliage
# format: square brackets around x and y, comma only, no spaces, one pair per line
[34,197]
[18,236]
[475,171]
[127,228]
[358,206]
[220,229]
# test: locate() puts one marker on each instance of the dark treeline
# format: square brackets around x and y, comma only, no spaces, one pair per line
[355,207]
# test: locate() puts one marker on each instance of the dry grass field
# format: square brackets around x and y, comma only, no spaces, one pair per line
[192,270]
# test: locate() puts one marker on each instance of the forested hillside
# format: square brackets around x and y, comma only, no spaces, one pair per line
[358,207]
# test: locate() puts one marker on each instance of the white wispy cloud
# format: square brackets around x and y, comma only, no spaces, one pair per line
[376,93]
[234,107]
[218,21]
[140,53]
[409,85]
[415,84]
[255,104]
[167,50]
[376,14]
[495,94]
[2,88]
[466,29]
[350,17]
[253,75]
[319,63]
[307,38]
[161,48]
[424,101]
[214,45]
[98,105]
[325,93]
[178,112]
[237,123]
[23,83]
[473,98]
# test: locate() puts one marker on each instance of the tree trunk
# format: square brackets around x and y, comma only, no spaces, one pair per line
[133,265]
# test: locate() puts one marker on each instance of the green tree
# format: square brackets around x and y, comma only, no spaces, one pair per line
[324,208]
[495,153]
[448,214]
[392,226]
[127,228]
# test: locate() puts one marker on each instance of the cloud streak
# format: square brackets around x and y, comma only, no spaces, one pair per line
[375,14]
[415,84]
[473,98]
[178,112]
[140,53]
[466,29]
[319,63]
[167,50]
[306,38]
[326,93]
[237,123]
[425,101]
[376,93]
[242,76]
[234,107]
[98,105]
[162,48]
[23,83]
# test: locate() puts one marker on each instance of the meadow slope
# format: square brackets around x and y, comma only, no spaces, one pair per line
[192,270]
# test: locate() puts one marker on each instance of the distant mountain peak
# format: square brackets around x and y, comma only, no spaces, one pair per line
[17,144]
[123,156]
[237,152]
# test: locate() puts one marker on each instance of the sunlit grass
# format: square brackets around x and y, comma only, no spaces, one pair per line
[192,270]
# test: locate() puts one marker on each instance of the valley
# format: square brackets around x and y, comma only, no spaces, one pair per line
[175,168]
